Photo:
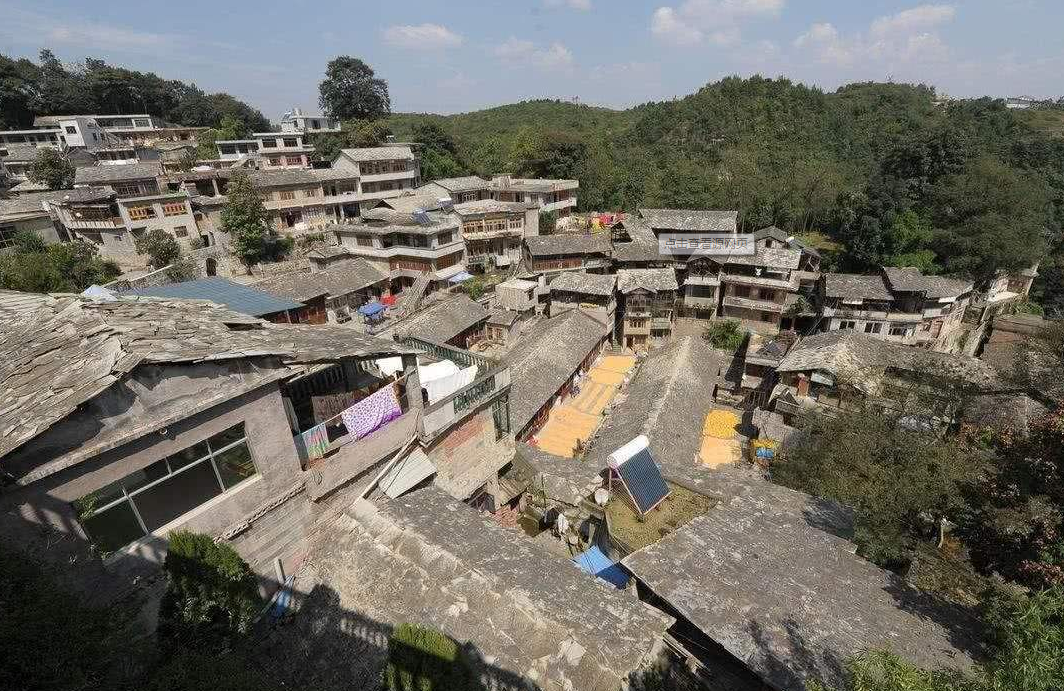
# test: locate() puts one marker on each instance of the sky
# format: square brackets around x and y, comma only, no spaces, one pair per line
[447,56]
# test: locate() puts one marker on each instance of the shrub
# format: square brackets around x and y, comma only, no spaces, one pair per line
[160,247]
[424,659]
[726,335]
[211,594]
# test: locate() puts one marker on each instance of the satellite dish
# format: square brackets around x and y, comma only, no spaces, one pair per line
[602,495]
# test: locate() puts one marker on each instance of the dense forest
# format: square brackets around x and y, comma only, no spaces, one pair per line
[50,87]
[874,173]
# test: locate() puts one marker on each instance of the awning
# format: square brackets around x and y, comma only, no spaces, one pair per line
[407,473]
[460,277]
[371,308]
[598,564]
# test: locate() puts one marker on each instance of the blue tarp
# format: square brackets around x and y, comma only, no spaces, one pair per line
[371,308]
[598,564]
[460,277]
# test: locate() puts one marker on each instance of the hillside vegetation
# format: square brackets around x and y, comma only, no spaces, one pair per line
[965,187]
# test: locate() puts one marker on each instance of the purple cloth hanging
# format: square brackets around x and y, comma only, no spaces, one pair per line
[372,412]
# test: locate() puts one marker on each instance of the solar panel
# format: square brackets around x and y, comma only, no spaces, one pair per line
[643,479]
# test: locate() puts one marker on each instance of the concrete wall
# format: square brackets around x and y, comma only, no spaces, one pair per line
[43,226]
[469,455]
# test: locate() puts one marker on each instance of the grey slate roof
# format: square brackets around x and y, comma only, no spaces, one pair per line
[697,220]
[856,286]
[468,183]
[780,235]
[653,280]
[28,186]
[792,602]
[860,359]
[535,621]
[643,246]
[32,203]
[94,175]
[443,320]
[380,153]
[769,257]
[239,298]
[71,349]
[19,153]
[337,280]
[503,317]
[568,244]
[909,279]
[491,206]
[541,363]
[585,283]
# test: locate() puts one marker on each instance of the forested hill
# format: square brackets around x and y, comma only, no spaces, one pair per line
[48,87]
[884,171]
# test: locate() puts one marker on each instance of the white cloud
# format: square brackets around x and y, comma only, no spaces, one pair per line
[582,5]
[915,19]
[715,21]
[525,52]
[908,37]
[421,37]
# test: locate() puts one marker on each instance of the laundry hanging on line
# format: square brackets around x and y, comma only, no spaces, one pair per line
[372,412]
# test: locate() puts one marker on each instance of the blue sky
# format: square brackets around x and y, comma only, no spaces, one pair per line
[456,55]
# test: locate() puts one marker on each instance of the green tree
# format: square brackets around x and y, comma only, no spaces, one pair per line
[245,219]
[51,168]
[160,247]
[548,222]
[211,594]
[351,91]
[64,267]
[424,659]
[895,478]
[909,242]
[726,335]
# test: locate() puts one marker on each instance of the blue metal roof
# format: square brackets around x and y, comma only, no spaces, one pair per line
[598,564]
[643,479]
[236,297]
[371,308]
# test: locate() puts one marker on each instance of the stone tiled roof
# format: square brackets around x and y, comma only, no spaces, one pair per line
[92,175]
[491,206]
[503,317]
[380,153]
[468,183]
[691,220]
[643,246]
[653,280]
[19,153]
[528,614]
[909,279]
[568,244]
[28,186]
[542,362]
[33,202]
[856,286]
[337,280]
[780,235]
[585,283]
[72,349]
[768,257]
[860,359]
[443,320]
[792,602]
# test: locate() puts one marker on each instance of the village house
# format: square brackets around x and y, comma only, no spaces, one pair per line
[547,364]
[15,160]
[407,246]
[761,359]
[454,320]
[296,120]
[168,414]
[383,172]
[845,369]
[900,305]
[519,295]
[28,212]
[647,306]
[596,294]
[553,254]
[331,294]
[94,131]
[493,231]
[557,196]
[760,290]
[503,326]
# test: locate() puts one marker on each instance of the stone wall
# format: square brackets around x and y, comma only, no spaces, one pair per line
[469,455]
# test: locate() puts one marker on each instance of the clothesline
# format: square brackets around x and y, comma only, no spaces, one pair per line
[330,419]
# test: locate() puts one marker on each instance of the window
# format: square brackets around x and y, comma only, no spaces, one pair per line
[741,291]
[7,236]
[294,160]
[291,142]
[141,122]
[174,209]
[287,194]
[148,499]
[846,325]
[139,213]
[769,295]
[899,331]
[873,328]
[364,241]
[181,231]
[313,192]
[70,129]
[445,238]
[269,143]
[500,411]
[276,160]
[126,189]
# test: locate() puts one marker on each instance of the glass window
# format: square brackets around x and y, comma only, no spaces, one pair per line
[168,500]
[162,492]
[113,528]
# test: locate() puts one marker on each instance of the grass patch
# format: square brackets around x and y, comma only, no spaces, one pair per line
[635,532]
